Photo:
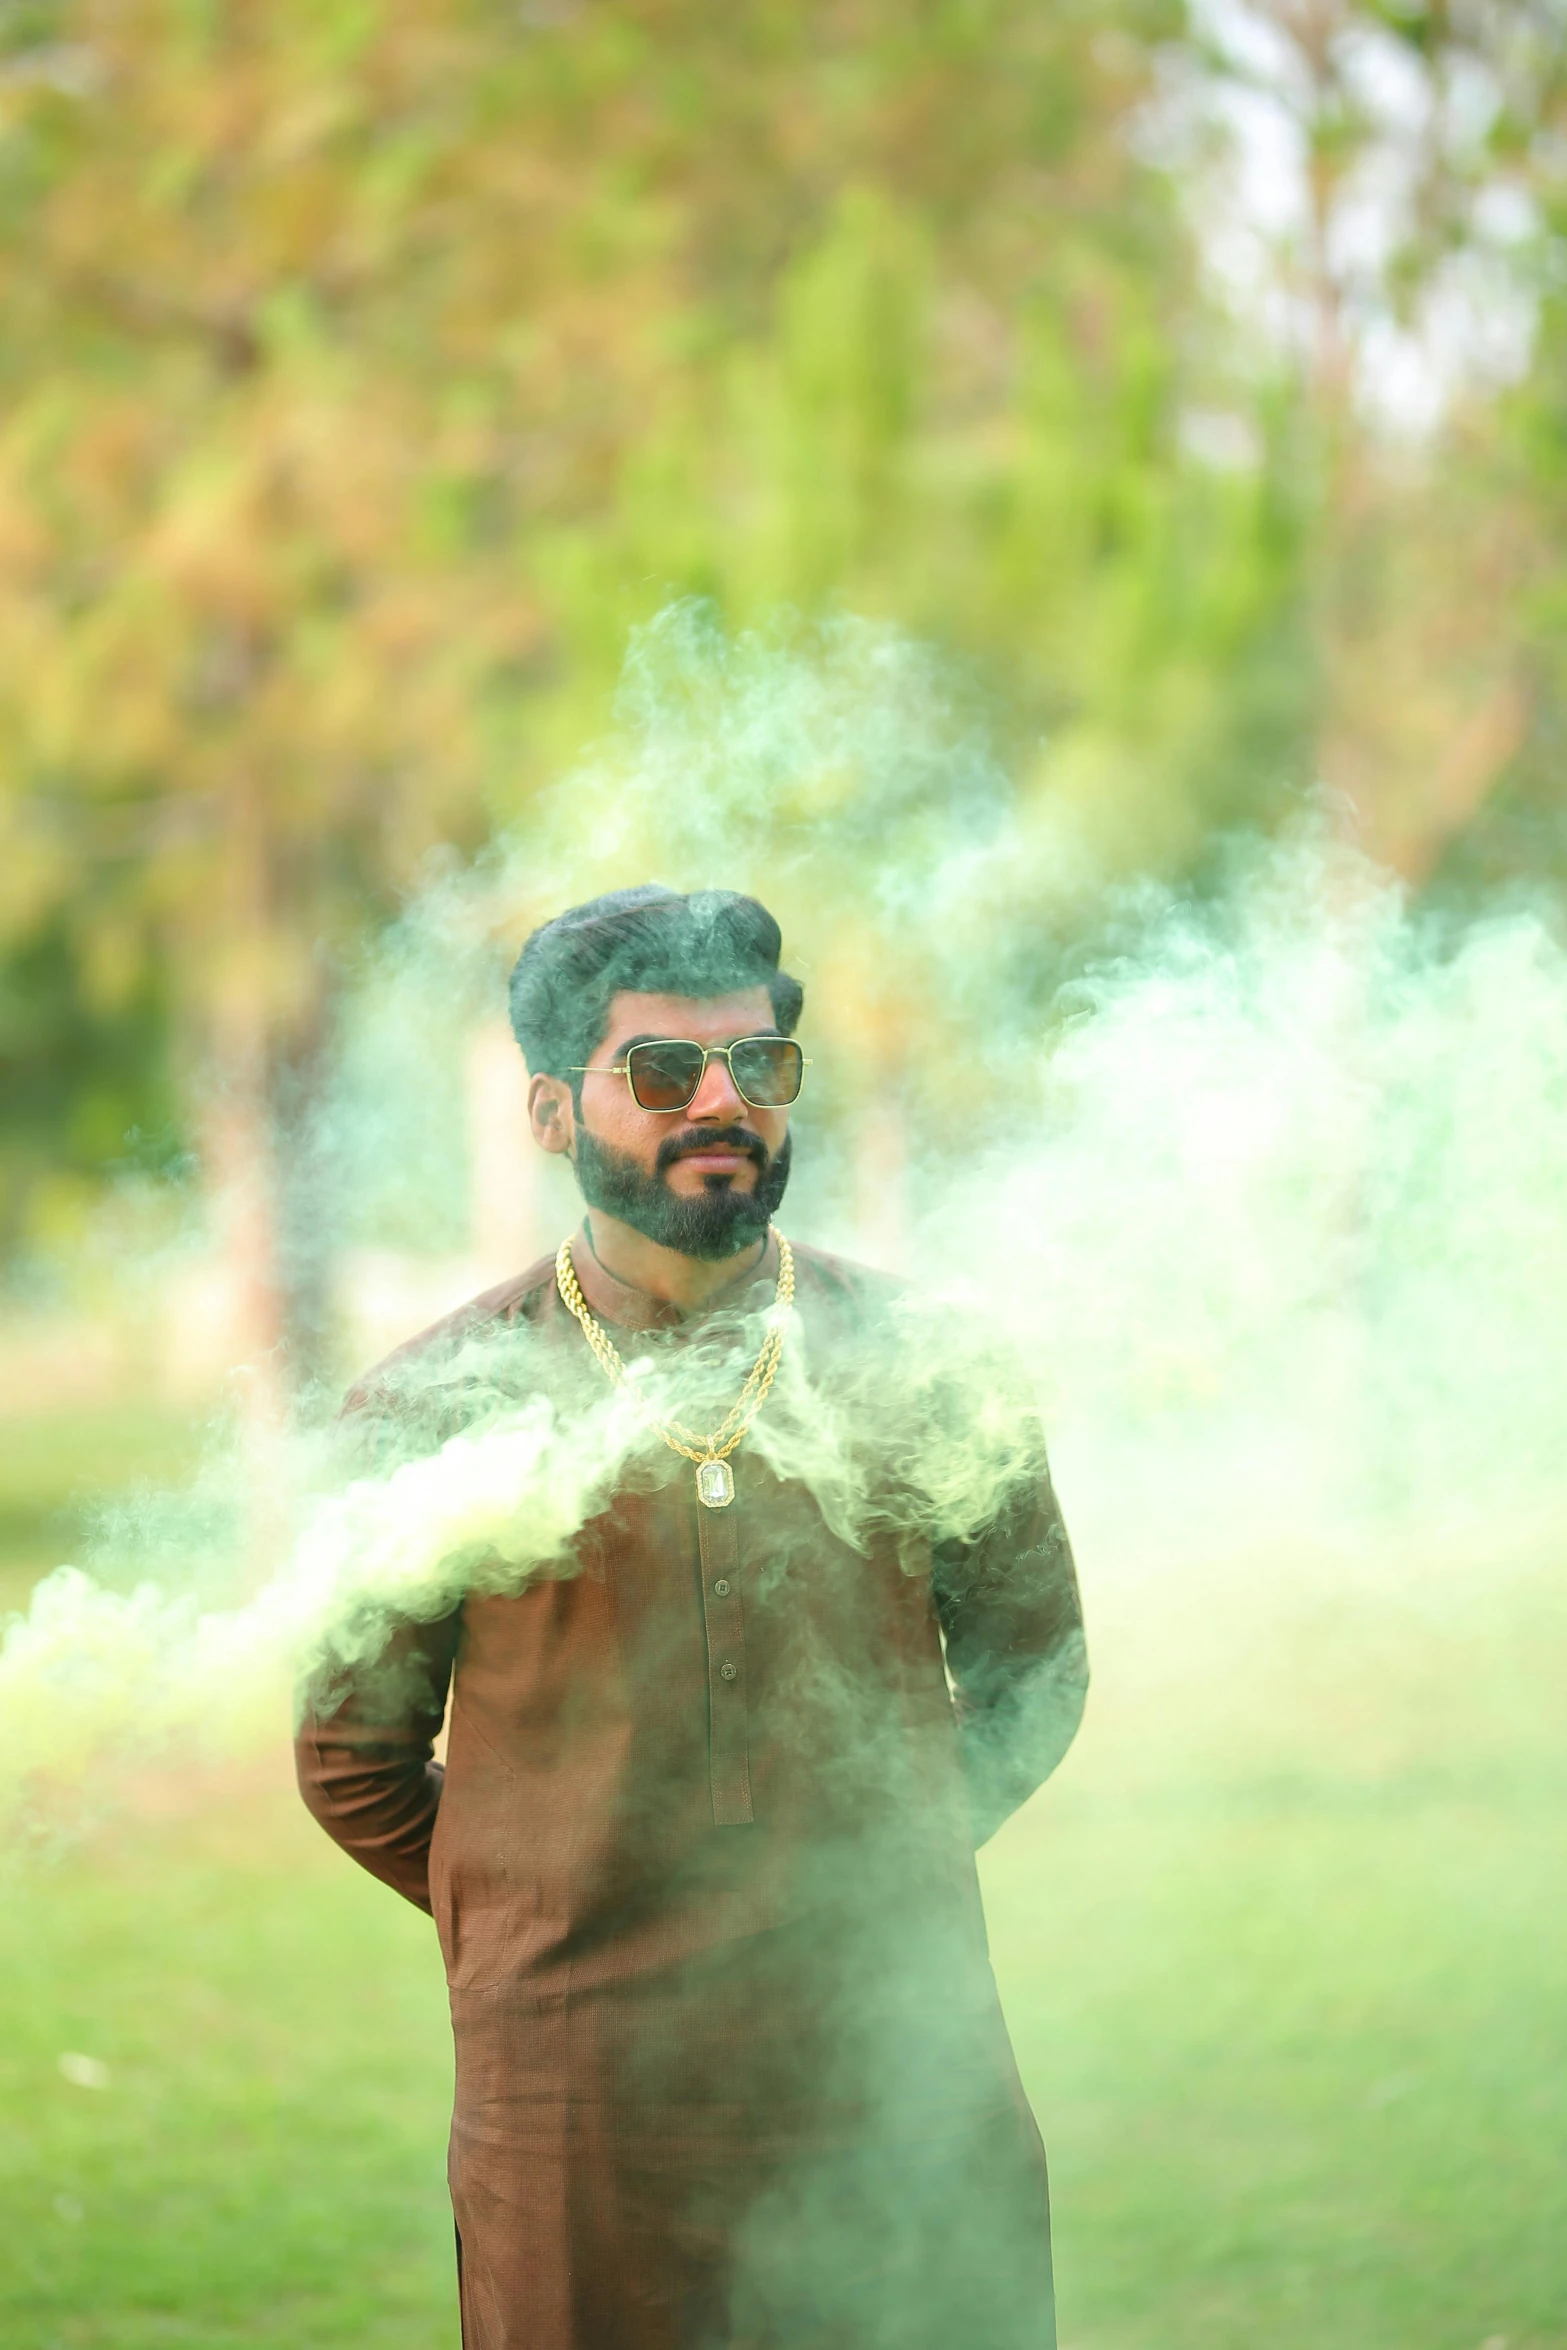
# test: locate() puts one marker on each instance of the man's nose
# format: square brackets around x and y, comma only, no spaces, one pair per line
[717,1096]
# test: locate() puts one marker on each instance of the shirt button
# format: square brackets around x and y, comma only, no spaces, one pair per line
[727,1671]
[721,1587]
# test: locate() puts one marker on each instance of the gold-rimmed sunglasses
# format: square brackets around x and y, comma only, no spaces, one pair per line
[666,1073]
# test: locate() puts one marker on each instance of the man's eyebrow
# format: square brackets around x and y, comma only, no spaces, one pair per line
[740,1035]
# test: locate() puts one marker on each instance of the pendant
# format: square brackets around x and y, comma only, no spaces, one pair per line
[715,1484]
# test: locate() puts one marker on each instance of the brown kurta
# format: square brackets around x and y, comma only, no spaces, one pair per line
[731,2068]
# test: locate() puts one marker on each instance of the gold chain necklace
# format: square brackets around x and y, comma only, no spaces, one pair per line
[715,1480]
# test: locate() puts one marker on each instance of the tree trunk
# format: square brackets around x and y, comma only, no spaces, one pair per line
[239,1124]
[241,1185]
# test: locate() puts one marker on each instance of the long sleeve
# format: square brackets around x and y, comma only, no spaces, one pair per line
[365,1757]
[1013,1625]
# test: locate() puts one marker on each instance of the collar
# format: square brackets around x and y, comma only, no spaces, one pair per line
[633,1309]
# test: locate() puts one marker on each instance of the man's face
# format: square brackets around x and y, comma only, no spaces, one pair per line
[704,1180]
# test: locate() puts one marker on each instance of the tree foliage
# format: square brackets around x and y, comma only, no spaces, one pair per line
[369,370]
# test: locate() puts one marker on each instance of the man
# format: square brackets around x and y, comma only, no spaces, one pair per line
[731,2069]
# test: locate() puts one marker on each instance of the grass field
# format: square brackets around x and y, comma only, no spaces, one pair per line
[1295,2028]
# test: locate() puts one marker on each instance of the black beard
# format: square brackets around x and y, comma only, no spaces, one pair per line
[712,1224]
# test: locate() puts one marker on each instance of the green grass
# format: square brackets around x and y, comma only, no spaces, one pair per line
[266,2165]
[1290,2002]
[1299,2067]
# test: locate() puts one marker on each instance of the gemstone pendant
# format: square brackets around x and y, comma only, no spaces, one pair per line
[715,1484]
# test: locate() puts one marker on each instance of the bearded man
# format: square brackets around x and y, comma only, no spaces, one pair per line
[731,2068]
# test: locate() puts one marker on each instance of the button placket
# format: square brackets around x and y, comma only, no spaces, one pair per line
[729,1756]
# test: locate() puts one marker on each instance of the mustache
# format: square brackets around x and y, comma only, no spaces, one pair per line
[711,1138]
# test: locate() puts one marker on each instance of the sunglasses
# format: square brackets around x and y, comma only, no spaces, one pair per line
[768,1071]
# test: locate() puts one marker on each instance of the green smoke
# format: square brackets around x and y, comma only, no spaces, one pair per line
[1258,1206]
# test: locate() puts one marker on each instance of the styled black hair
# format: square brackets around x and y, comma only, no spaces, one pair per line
[651,939]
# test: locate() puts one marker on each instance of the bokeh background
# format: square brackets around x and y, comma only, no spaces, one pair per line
[1146,425]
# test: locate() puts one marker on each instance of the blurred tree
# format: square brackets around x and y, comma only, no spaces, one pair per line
[1519,836]
[82,1084]
[1422,140]
[369,370]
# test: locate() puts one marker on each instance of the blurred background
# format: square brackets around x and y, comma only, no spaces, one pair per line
[1166,405]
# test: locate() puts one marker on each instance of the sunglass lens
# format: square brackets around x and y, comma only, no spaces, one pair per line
[767,1070]
[664,1076]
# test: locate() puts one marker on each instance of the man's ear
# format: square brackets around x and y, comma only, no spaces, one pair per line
[551,1115]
